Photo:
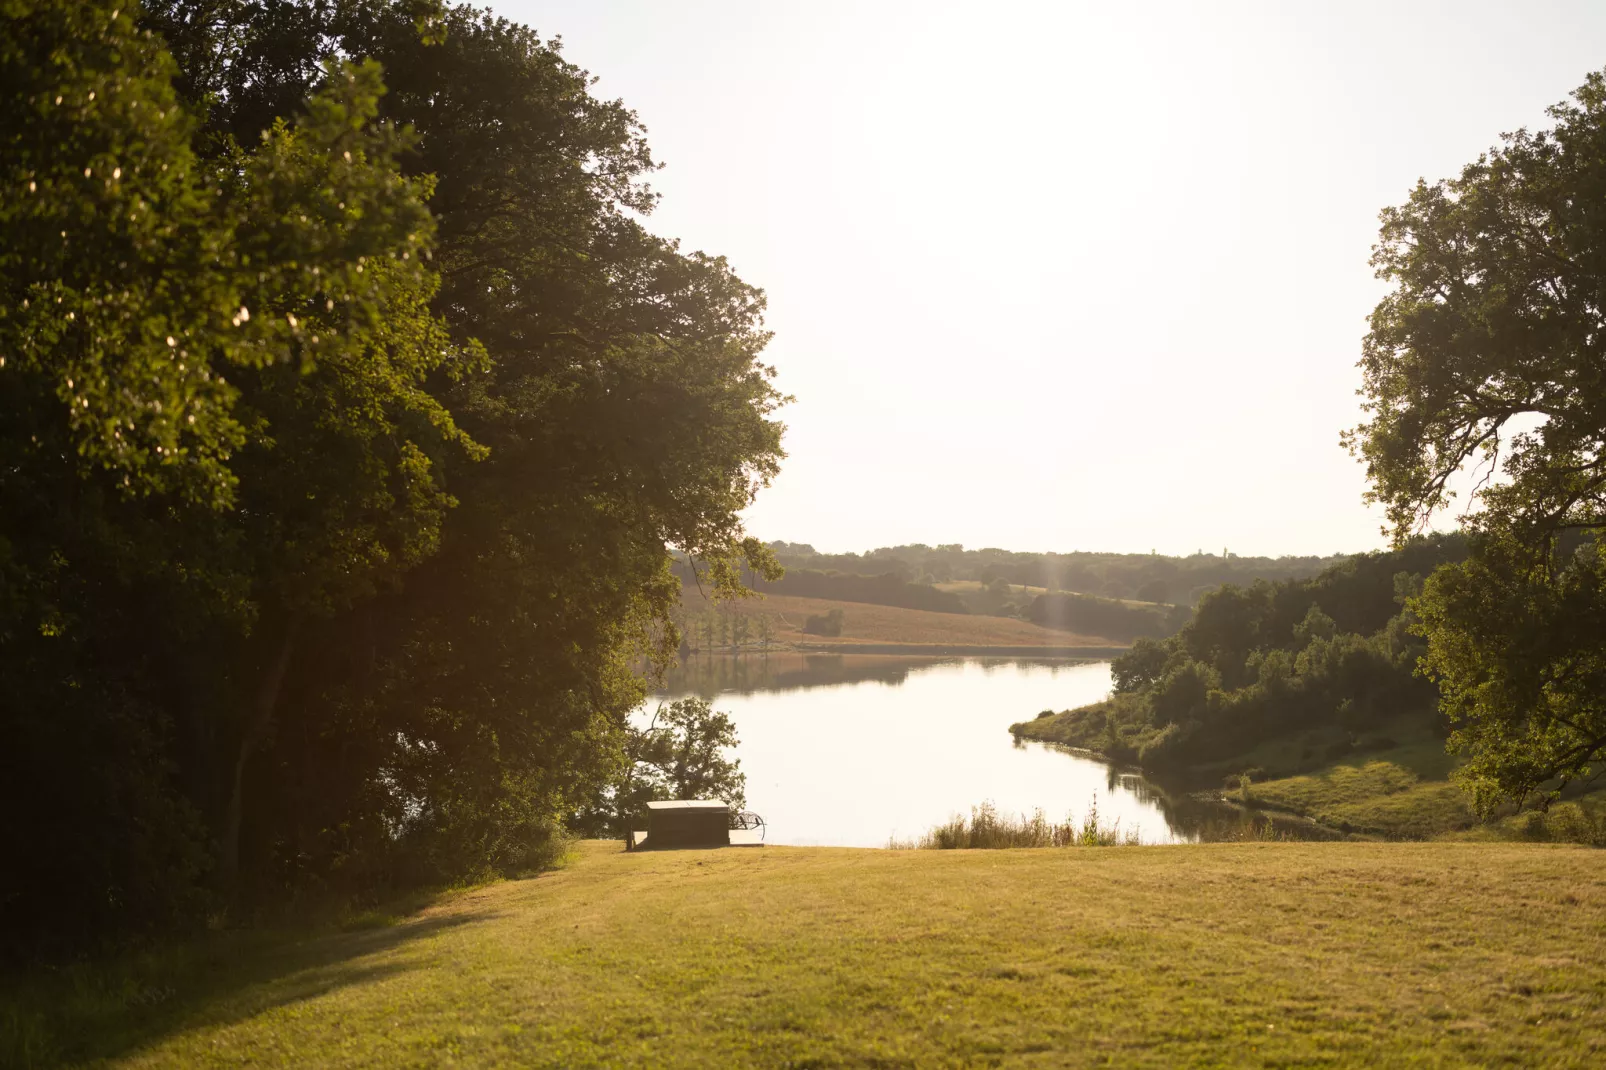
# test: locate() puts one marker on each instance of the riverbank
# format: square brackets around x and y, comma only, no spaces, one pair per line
[1389,783]
[1228,955]
[1076,653]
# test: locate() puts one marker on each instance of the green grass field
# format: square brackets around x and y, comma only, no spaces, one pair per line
[1341,954]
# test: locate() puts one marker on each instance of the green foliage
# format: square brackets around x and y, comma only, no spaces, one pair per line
[826,624]
[1140,666]
[351,416]
[1332,654]
[1103,617]
[1486,354]
[236,350]
[1493,317]
[887,589]
[1516,646]
[683,753]
[108,251]
[1565,823]
[112,260]
[1145,577]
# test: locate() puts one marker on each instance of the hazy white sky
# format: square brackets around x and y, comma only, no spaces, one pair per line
[1066,276]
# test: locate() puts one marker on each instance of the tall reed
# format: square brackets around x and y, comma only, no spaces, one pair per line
[987,828]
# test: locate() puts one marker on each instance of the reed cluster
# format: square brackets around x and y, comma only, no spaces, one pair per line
[987,828]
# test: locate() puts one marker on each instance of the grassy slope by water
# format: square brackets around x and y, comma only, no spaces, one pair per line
[864,623]
[1393,783]
[1401,791]
[1240,955]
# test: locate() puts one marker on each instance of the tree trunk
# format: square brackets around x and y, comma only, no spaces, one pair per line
[261,716]
[633,754]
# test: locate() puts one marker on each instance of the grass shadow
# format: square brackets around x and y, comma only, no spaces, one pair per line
[87,1012]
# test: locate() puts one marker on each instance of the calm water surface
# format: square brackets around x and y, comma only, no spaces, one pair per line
[854,751]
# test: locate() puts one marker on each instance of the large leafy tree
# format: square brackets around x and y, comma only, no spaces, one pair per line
[623,407]
[216,427]
[351,415]
[116,321]
[1489,355]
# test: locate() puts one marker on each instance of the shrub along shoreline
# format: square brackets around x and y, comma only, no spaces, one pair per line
[1303,698]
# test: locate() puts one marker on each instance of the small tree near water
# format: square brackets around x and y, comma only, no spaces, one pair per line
[827,624]
[682,754]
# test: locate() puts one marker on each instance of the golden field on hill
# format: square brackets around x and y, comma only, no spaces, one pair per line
[865,623]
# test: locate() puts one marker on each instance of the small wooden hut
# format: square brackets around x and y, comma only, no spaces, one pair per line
[688,823]
[698,823]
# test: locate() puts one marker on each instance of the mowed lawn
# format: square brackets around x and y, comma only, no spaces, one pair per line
[1274,954]
[865,623]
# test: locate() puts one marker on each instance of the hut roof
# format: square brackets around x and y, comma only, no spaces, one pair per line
[694,805]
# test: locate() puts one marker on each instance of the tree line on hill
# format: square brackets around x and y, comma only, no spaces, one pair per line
[1087,615]
[1137,577]
[886,589]
[1090,616]
[349,414]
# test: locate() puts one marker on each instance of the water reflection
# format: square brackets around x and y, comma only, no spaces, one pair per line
[848,750]
[852,750]
[712,676]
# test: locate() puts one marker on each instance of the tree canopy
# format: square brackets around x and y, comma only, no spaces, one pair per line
[1489,353]
[351,416]
[1322,661]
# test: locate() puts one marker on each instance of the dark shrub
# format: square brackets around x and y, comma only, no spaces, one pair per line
[829,624]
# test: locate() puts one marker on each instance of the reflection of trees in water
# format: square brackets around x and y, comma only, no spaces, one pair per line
[1211,821]
[1054,665]
[1188,816]
[1195,817]
[1138,786]
[744,675]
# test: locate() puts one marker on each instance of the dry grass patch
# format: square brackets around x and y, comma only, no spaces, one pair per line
[866,623]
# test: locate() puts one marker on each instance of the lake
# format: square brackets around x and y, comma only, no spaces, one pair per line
[853,750]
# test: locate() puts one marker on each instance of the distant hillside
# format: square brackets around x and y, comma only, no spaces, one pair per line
[1104,616]
[1143,577]
[778,621]
[887,589]
[1120,597]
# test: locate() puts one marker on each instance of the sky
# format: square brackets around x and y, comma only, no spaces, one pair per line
[1064,276]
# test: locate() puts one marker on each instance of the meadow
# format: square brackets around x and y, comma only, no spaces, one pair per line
[1280,954]
[864,623]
